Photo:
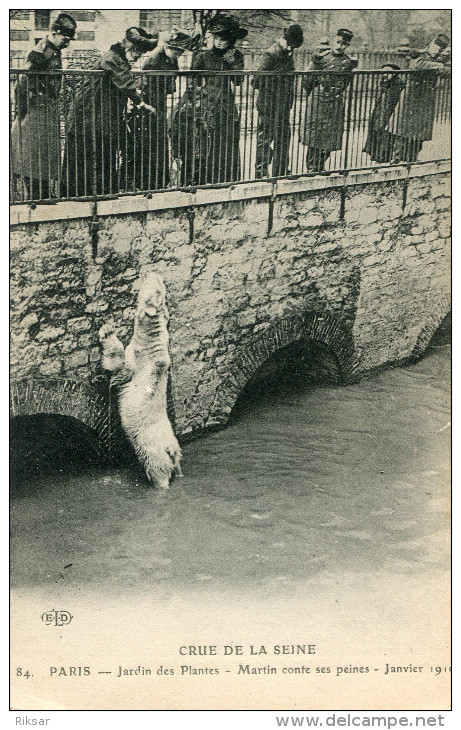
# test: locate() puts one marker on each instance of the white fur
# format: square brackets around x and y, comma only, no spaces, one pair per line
[142,401]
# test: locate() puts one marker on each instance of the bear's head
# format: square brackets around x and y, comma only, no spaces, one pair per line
[151,297]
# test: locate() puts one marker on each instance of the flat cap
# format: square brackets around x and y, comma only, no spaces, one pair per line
[65,25]
[346,34]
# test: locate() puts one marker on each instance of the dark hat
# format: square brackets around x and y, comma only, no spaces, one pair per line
[294,36]
[141,40]
[178,39]
[347,35]
[65,25]
[442,41]
[393,66]
[227,27]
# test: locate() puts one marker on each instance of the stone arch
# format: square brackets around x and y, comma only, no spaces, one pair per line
[64,397]
[320,327]
[440,311]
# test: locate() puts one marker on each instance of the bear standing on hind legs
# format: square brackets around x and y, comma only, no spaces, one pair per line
[141,370]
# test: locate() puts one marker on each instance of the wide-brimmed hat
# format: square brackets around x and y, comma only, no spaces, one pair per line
[345,34]
[65,25]
[294,36]
[178,39]
[141,40]
[227,27]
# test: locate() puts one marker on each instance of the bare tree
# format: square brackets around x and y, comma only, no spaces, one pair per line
[396,24]
[251,19]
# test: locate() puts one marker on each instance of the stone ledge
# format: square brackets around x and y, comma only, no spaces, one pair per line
[66,210]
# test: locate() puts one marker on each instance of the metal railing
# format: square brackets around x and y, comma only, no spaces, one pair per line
[74,134]
[367,59]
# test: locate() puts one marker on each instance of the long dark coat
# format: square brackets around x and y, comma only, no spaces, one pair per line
[96,127]
[149,153]
[276,93]
[323,120]
[35,139]
[380,142]
[413,117]
[274,102]
[206,126]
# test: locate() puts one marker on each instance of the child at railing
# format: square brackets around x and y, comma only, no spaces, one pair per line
[147,162]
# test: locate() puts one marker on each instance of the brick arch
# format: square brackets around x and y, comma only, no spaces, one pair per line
[63,397]
[323,328]
[438,314]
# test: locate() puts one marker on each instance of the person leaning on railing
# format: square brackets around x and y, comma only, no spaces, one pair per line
[274,102]
[323,124]
[96,122]
[36,153]
[205,128]
[149,157]
[413,119]
[380,142]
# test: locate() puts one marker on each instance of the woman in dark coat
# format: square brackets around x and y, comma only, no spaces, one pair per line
[96,123]
[380,142]
[35,135]
[206,125]
[149,156]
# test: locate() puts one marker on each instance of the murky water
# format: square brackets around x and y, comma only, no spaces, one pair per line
[305,484]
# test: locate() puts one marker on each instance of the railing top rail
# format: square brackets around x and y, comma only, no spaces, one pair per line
[195,73]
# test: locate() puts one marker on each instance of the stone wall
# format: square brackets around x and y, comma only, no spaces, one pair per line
[363,268]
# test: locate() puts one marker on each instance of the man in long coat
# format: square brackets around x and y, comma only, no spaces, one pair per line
[35,135]
[413,119]
[380,142]
[323,127]
[274,102]
[96,122]
[151,155]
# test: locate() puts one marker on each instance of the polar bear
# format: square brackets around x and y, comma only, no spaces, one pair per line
[141,371]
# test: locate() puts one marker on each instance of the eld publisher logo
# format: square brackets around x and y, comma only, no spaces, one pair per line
[58,618]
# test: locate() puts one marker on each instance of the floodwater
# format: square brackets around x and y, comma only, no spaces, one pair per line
[306,482]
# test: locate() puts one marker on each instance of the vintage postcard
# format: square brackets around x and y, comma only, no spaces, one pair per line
[230,361]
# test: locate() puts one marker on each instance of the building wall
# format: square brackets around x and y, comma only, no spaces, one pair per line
[362,268]
[96,29]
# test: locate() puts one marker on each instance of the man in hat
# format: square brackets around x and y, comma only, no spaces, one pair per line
[323,127]
[150,156]
[403,51]
[274,102]
[413,118]
[96,122]
[36,154]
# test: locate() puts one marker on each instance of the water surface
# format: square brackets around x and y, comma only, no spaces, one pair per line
[305,484]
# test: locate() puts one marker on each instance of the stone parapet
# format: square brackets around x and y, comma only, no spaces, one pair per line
[359,263]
